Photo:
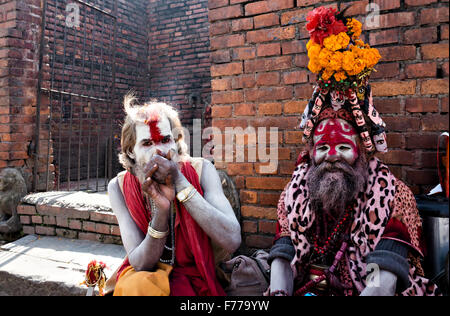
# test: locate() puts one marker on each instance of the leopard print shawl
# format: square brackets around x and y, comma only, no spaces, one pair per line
[373,210]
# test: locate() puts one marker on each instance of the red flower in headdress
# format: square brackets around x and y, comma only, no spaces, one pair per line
[323,23]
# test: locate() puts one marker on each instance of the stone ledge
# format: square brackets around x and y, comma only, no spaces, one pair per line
[76,215]
[36,265]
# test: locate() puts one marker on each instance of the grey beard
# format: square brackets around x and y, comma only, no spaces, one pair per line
[332,186]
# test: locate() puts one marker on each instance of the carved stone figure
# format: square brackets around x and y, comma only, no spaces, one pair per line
[12,189]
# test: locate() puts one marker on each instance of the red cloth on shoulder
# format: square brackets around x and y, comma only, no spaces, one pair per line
[194,269]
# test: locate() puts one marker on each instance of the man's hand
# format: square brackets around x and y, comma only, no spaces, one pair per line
[166,167]
[384,285]
[161,194]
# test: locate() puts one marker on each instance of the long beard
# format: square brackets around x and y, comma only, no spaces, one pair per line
[332,186]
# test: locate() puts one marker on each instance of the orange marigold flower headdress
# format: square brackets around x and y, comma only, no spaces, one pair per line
[343,63]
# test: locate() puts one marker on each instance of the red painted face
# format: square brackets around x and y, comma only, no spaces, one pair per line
[335,139]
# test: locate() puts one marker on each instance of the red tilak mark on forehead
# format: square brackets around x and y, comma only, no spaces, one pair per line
[155,132]
[334,133]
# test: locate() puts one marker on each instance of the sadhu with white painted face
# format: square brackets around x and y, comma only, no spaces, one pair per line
[174,219]
[346,225]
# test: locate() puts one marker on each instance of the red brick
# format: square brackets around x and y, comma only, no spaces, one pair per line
[247,196]
[304,91]
[227,97]
[386,70]
[434,15]
[293,137]
[212,4]
[444,32]
[227,41]
[240,169]
[293,17]
[258,241]
[268,64]
[267,35]
[266,20]
[394,53]
[221,111]
[49,220]
[355,8]
[48,231]
[388,4]
[395,140]
[295,77]
[266,183]
[293,47]
[243,81]
[269,109]
[294,107]
[221,84]
[420,35]
[306,3]
[419,2]
[435,122]
[434,51]
[89,226]
[434,86]
[260,7]
[444,105]
[26,209]
[243,53]
[269,94]
[398,157]
[115,230]
[249,226]
[225,13]
[268,79]
[402,123]
[25,220]
[28,230]
[258,212]
[245,109]
[219,28]
[102,229]
[234,68]
[267,227]
[392,88]
[268,49]
[36,219]
[414,105]
[269,198]
[421,70]
[242,24]
[391,20]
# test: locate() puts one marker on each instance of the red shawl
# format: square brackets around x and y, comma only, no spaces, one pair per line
[194,269]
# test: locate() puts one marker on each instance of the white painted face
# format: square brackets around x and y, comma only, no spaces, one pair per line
[156,135]
[380,142]
[335,140]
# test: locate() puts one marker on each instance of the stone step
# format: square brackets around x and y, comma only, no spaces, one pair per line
[47,266]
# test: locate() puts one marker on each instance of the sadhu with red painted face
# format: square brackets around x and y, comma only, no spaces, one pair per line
[174,218]
[346,225]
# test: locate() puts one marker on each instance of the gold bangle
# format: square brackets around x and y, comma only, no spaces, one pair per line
[190,196]
[156,234]
[185,193]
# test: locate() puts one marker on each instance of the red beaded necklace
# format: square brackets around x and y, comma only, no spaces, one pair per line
[340,226]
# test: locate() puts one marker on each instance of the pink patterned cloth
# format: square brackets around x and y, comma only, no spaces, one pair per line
[372,212]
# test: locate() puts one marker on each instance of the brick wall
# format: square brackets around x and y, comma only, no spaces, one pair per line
[179,63]
[259,78]
[69,223]
[20,28]
[19,40]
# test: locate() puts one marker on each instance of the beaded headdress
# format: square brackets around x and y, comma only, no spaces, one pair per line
[343,64]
